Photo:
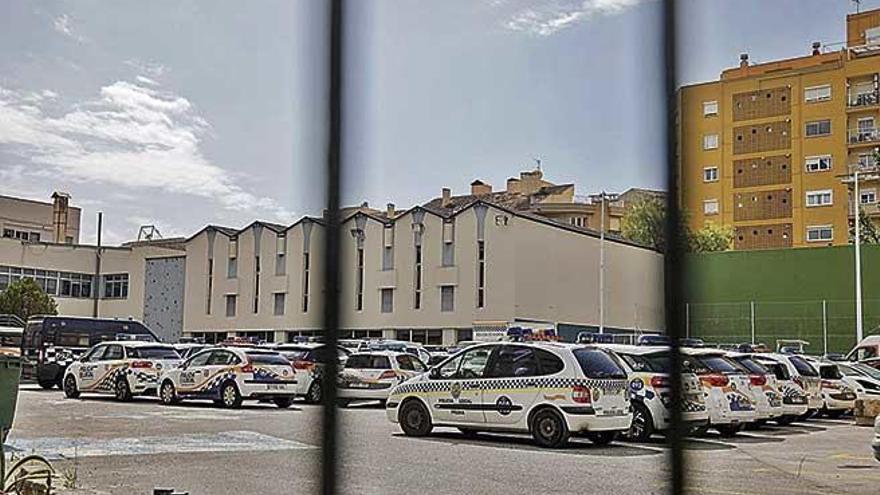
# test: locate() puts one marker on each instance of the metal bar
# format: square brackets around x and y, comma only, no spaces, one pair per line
[858,255]
[602,266]
[824,326]
[674,266]
[687,320]
[332,240]
[752,318]
[96,284]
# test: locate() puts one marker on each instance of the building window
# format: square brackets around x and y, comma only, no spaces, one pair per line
[819,198]
[280,254]
[820,233]
[818,128]
[305,283]
[448,248]
[481,274]
[710,141]
[232,263]
[279,300]
[210,290]
[447,298]
[710,174]
[116,286]
[425,337]
[22,235]
[417,283]
[868,196]
[53,283]
[710,108]
[872,36]
[257,283]
[387,300]
[818,163]
[817,93]
[231,300]
[710,207]
[448,254]
[359,280]
[388,258]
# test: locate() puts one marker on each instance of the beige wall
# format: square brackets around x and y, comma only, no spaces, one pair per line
[36,216]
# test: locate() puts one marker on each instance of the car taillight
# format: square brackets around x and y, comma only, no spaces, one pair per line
[247,368]
[303,365]
[715,380]
[141,364]
[581,394]
[388,374]
[660,381]
[758,380]
[829,384]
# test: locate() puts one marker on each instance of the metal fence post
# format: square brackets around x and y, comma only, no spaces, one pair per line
[824,326]
[752,318]
[687,320]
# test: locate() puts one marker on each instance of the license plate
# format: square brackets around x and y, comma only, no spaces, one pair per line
[358,385]
[276,386]
[610,412]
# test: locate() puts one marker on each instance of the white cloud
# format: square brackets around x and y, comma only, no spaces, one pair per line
[62,25]
[131,135]
[554,16]
[152,69]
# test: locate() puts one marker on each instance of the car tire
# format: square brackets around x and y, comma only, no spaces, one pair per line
[315,393]
[785,420]
[46,384]
[642,426]
[167,394]
[414,418]
[699,431]
[343,402]
[601,437]
[549,429]
[230,397]
[835,413]
[728,430]
[283,402]
[121,390]
[71,391]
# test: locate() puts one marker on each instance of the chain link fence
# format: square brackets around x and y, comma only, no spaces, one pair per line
[828,325]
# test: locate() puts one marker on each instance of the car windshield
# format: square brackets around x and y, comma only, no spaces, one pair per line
[295,354]
[266,358]
[368,361]
[802,366]
[752,365]
[153,353]
[867,370]
[830,372]
[659,363]
[720,364]
[598,364]
[778,369]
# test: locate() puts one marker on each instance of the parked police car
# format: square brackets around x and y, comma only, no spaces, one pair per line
[726,388]
[229,375]
[370,375]
[764,386]
[123,369]
[838,396]
[547,389]
[794,397]
[649,389]
[802,374]
[306,359]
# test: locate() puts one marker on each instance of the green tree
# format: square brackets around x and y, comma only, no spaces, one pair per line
[712,237]
[24,298]
[645,223]
[869,233]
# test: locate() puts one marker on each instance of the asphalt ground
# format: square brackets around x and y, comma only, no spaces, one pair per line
[130,448]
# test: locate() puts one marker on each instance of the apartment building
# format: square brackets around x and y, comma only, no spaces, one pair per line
[770,148]
[36,221]
[438,273]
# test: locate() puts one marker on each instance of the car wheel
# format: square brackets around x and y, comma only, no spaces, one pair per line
[230,396]
[122,391]
[283,402]
[549,429]
[415,420]
[46,384]
[642,425]
[71,391]
[602,437]
[315,394]
[807,415]
[700,431]
[728,430]
[343,402]
[835,413]
[167,394]
[785,420]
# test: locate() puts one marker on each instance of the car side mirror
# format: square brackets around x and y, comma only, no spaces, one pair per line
[434,373]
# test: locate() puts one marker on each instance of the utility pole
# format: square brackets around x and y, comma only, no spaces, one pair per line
[858,200]
[603,199]
[96,284]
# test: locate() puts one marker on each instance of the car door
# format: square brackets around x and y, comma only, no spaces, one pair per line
[511,386]
[458,396]
[193,374]
[87,369]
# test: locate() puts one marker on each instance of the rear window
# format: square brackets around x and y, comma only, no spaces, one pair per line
[153,353]
[266,358]
[802,366]
[368,361]
[830,372]
[296,355]
[658,363]
[598,364]
[778,369]
[752,366]
[720,364]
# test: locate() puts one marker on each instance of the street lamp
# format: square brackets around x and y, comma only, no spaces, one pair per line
[856,176]
[602,198]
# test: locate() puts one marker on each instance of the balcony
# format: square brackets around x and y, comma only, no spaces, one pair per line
[863,136]
[868,209]
[863,100]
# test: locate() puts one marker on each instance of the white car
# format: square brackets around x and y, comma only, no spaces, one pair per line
[305,359]
[649,390]
[764,386]
[805,375]
[123,369]
[876,443]
[838,396]
[370,375]
[229,375]
[547,389]
[864,379]
[726,388]
[794,397]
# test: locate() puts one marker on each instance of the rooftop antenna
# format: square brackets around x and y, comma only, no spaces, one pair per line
[858,5]
[537,163]
[149,233]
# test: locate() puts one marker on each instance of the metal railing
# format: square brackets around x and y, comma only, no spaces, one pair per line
[863,99]
[865,135]
[13,321]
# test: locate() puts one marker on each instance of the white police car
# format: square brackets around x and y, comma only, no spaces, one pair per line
[229,375]
[765,388]
[838,395]
[726,389]
[649,389]
[306,361]
[794,397]
[547,389]
[370,375]
[804,375]
[124,369]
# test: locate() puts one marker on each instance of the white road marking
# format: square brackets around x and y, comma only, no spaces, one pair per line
[230,441]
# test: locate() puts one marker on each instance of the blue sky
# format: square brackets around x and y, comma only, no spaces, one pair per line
[186,113]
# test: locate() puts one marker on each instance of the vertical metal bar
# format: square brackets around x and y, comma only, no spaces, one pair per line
[602,266]
[96,284]
[858,200]
[752,318]
[674,266]
[332,240]
[824,326]
[687,320]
